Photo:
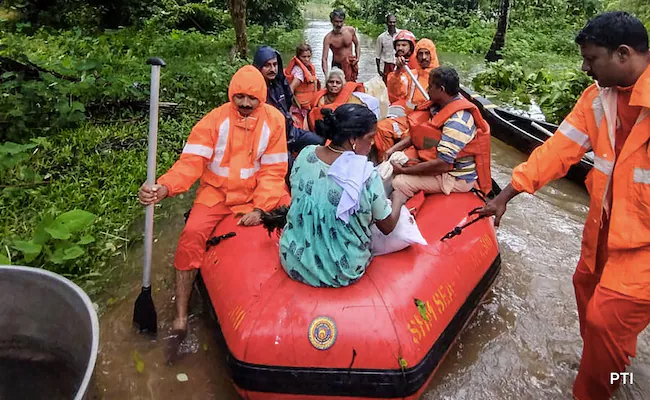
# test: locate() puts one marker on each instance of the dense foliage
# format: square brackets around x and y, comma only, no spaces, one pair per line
[555,91]
[110,78]
[540,58]
[73,135]
[204,15]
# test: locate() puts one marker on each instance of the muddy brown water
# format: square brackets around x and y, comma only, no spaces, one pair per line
[523,343]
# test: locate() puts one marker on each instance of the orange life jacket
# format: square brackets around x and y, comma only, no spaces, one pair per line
[343,97]
[426,133]
[412,97]
[305,92]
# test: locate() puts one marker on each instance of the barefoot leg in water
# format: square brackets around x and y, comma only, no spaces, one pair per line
[184,284]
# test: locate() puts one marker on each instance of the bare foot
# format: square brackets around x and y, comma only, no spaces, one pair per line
[178,334]
[184,282]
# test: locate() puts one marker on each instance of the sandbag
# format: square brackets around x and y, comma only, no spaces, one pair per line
[406,233]
[377,88]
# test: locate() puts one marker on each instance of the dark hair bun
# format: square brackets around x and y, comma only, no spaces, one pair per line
[348,121]
[327,126]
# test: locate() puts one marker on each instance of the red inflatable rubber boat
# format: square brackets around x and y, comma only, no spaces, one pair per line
[382,337]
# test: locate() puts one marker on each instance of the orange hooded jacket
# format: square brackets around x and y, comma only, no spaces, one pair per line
[625,180]
[241,161]
[409,95]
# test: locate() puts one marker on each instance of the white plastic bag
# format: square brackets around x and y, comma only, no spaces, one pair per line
[406,233]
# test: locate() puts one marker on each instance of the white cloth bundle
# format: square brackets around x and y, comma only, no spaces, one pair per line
[385,169]
[406,233]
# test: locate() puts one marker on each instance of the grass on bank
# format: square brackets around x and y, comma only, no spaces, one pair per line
[68,197]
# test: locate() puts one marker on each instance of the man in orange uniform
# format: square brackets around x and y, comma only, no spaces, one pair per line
[612,280]
[426,60]
[239,151]
[395,127]
[396,82]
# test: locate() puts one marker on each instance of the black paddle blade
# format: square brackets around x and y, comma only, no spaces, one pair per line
[145,319]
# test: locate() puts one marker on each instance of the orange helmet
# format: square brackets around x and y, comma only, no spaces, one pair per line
[407,36]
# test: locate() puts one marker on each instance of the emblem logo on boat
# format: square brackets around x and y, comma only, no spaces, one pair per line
[322,333]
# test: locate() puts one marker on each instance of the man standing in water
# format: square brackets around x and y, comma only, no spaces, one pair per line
[385,49]
[612,279]
[340,41]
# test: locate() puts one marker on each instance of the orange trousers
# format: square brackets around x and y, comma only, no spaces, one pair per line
[198,228]
[389,132]
[609,325]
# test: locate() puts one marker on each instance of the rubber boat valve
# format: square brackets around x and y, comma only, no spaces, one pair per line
[459,229]
[215,240]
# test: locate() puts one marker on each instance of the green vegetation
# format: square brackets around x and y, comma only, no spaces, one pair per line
[74,113]
[556,92]
[317,9]
[74,123]
[540,58]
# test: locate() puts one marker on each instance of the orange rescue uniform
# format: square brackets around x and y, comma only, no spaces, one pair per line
[612,280]
[405,97]
[241,163]
[410,96]
[395,82]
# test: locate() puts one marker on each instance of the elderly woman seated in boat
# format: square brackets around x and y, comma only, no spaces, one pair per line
[336,93]
[336,196]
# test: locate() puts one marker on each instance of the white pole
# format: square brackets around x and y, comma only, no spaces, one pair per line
[156,64]
[415,81]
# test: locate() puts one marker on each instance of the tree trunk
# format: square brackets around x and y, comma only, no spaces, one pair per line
[500,35]
[237,10]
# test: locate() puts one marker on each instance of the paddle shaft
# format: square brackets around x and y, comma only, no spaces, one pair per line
[151,172]
[541,129]
[415,81]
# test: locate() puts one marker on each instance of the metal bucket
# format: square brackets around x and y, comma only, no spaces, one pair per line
[49,335]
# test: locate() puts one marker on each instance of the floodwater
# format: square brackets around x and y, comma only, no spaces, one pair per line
[523,343]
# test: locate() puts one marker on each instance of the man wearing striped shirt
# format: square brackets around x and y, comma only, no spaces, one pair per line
[443,165]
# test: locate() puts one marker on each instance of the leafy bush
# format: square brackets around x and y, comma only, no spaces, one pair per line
[192,16]
[556,91]
[73,152]
[500,75]
[640,8]
[351,7]
[68,201]
[113,79]
[89,14]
